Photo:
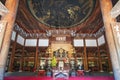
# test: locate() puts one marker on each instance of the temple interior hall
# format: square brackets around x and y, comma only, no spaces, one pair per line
[60,39]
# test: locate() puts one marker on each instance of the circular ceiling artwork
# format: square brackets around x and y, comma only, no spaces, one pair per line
[61,13]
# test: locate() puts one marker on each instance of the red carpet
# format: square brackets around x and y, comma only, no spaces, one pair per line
[49,78]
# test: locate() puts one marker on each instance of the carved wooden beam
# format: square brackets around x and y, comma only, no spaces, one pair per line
[115,10]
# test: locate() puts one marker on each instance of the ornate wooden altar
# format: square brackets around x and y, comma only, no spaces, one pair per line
[62,58]
[60,53]
[62,70]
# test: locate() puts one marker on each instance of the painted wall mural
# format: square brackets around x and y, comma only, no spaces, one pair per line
[61,13]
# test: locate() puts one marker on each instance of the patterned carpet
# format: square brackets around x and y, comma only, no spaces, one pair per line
[50,78]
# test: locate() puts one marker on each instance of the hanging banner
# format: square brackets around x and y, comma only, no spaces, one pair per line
[2,31]
[115,10]
[3,9]
[116,33]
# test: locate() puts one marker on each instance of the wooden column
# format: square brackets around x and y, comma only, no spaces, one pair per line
[12,54]
[108,54]
[36,55]
[85,57]
[12,6]
[22,57]
[99,56]
[106,6]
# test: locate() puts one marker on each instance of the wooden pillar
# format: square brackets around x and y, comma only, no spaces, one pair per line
[12,6]
[22,57]
[12,54]
[106,6]
[99,56]
[36,55]
[108,54]
[85,57]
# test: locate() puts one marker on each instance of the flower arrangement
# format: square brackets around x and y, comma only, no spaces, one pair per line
[53,62]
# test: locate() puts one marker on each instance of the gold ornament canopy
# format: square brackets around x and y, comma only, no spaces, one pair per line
[61,13]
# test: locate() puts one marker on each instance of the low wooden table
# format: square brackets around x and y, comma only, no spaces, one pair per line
[80,72]
[61,74]
[41,72]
